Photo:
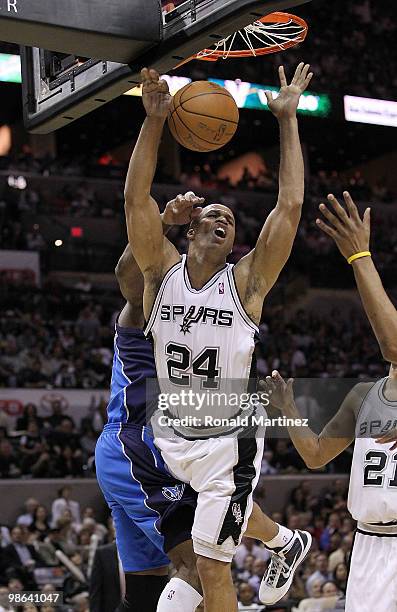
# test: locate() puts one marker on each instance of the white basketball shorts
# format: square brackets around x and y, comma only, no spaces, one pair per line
[224,471]
[372,583]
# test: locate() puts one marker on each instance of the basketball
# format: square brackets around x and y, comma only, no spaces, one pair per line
[203,116]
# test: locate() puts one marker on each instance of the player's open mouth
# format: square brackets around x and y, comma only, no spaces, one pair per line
[220,232]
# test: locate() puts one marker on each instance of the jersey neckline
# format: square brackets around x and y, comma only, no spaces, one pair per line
[382,396]
[209,282]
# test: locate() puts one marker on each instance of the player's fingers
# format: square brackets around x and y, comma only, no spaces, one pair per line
[330,216]
[145,74]
[196,212]
[269,97]
[277,378]
[153,74]
[283,78]
[304,72]
[298,72]
[340,211]
[307,80]
[367,219]
[270,383]
[351,207]
[326,228]
[163,86]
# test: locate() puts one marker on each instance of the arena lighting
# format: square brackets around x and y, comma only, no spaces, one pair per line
[10,68]
[58,243]
[76,232]
[17,182]
[371,110]
[252,95]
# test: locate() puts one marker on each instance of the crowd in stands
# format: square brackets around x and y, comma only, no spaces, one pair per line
[50,549]
[34,546]
[51,446]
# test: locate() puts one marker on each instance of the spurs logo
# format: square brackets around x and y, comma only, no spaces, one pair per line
[236,511]
[190,318]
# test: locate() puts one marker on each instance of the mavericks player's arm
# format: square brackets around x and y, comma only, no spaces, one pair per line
[257,272]
[130,280]
[339,433]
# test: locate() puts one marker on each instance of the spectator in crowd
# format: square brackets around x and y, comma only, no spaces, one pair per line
[31,446]
[9,461]
[18,554]
[106,581]
[339,555]
[40,524]
[246,597]
[340,572]
[321,573]
[64,502]
[29,415]
[27,518]
[258,571]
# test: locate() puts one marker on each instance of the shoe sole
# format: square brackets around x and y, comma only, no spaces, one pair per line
[302,557]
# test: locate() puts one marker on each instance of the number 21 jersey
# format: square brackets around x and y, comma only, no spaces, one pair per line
[373,478]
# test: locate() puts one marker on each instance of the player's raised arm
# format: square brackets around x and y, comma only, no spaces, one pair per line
[316,450]
[263,265]
[145,233]
[179,211]
[351,235]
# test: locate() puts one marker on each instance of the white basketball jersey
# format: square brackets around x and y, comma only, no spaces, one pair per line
[373,478]
[203,341]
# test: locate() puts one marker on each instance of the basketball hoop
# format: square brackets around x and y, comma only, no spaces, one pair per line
[270,34]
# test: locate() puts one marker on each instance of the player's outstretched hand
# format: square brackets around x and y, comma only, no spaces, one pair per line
[350,232]
[280,393]
[155,94]
[285,105]
[183,209]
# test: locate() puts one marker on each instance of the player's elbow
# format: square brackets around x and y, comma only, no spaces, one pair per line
[135,196]
[291,200]
[389,351]
[314,463]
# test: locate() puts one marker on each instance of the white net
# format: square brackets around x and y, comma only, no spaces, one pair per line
[258,38]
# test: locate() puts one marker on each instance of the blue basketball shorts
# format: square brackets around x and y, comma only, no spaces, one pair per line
[152,511]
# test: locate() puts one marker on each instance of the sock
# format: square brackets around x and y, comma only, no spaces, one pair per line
[281,539]
[142,592]
[179,596]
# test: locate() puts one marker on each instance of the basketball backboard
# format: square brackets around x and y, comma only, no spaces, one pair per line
[64,83]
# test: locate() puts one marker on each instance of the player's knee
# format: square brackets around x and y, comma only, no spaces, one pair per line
[212,571]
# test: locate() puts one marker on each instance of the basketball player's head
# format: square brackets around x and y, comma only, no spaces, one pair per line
[213,230]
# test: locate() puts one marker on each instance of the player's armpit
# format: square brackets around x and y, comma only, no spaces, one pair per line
[257,272]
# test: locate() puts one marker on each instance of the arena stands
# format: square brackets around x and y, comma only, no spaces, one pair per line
[29,557]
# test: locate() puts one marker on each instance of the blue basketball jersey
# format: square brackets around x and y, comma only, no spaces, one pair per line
[133,389]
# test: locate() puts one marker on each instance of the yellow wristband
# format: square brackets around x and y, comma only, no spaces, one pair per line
[358,256]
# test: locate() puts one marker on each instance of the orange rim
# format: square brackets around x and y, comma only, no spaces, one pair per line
[212,55]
